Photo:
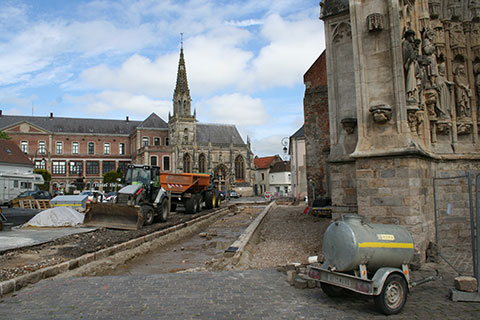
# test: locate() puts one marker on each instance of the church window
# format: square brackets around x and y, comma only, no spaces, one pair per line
[202,163]
[187,163]
[239,168]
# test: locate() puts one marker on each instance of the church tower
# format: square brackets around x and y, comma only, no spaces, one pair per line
[182,124]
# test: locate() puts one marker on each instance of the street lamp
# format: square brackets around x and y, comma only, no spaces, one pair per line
[285,149]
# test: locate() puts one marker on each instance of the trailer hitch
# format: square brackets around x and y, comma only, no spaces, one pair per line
[427,279]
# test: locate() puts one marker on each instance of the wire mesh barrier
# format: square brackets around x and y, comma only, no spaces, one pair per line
[456,222]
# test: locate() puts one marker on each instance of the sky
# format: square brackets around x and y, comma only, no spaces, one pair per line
[109,59]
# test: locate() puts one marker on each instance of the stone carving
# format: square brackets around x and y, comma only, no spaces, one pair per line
[382,113]
[464,128]
[349,125]
[411,66]
[443,128]
[434,8]
[343,32]
[415,119]
[430,60]
[375,22]
[454,9]
[474,6]
[444,91]
[457,40]
[462,92]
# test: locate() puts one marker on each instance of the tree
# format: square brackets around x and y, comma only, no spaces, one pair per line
[4,135]
[112,177]
[47,177]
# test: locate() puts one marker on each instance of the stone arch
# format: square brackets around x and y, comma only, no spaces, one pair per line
[239,169]
[187,163]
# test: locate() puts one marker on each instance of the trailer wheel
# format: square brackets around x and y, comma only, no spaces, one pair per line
[393,296]
[198,199]
[190,205]
[217,200]
[332,290]
[163,216]
[147,215]
[210,199]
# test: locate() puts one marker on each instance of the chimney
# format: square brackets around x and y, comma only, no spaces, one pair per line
[51,115]
[127,119]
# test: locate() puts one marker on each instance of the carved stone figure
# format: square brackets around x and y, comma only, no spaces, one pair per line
[410,65]
[428,49]
[462,92]
[454,9]
[444,89]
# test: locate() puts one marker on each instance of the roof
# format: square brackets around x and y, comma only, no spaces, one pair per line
[11,153]
[218,134]
[282,166]
[73,125]
[265,162]
[153,122]
[300,133]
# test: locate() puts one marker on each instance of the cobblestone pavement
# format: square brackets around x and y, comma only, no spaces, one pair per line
[253,294]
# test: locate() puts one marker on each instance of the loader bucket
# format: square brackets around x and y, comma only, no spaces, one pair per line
[113,216]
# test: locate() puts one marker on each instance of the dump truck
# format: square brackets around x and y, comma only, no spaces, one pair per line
[191,190]
[139,203]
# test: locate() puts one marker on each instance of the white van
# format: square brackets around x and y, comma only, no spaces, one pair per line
[13,183]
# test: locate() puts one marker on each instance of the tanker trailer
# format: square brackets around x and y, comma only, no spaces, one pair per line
[370,259]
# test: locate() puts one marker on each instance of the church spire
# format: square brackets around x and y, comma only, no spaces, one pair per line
[181,95]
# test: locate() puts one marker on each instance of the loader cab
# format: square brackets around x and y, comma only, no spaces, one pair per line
[147,176]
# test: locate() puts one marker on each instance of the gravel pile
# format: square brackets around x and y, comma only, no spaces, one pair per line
[287,235]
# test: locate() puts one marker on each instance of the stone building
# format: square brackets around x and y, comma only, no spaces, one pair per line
[77,152]
[262,173]
[403,103]
[297,154]
[217,149]
[317,130]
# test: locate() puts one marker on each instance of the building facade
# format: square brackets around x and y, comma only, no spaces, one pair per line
[78,152]
[298,166]
[262,173]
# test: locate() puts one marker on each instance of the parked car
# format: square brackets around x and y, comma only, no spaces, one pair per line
[234,194]
[36,194]
[222,195]
[93,195]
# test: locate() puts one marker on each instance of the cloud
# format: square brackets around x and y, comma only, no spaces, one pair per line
[235,109]
[244,23]
[108,102]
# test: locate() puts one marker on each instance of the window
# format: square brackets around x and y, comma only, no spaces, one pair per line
[263,176]
[24,146]
[75,147]
[202,163]
[58,167]
[121,148]
[42,148]
[106,148]
[156,141]
[59,147]
[108,166]
[91,148]
[153,160]
[40,164]
[166,141]
[15,183]
[25,185]
[122,166]
[145,141]
[187,163]
[92,167]
[239,168]
[76,167]
[166,163]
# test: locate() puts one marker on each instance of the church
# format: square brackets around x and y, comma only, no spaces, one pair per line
[79,151]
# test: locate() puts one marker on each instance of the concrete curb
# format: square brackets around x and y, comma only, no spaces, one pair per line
[238,247]
[15,284]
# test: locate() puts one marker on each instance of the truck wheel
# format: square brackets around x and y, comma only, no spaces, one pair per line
[147,215]
[190,205]
[331,290]
[163,216]
[210,199]
[217,200]
[198,197]
[393,296]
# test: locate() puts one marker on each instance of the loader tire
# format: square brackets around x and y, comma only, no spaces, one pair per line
[198,197]
[190,205]
[210,199]
[147,215]
[163,215]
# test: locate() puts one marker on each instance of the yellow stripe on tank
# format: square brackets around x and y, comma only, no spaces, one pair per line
[385,245]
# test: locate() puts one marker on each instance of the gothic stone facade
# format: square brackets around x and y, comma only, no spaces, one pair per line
[407,72]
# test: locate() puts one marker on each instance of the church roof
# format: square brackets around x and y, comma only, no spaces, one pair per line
[72,125]
[218,134]
[153,122]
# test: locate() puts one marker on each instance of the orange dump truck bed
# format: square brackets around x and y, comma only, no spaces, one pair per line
[182,182]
